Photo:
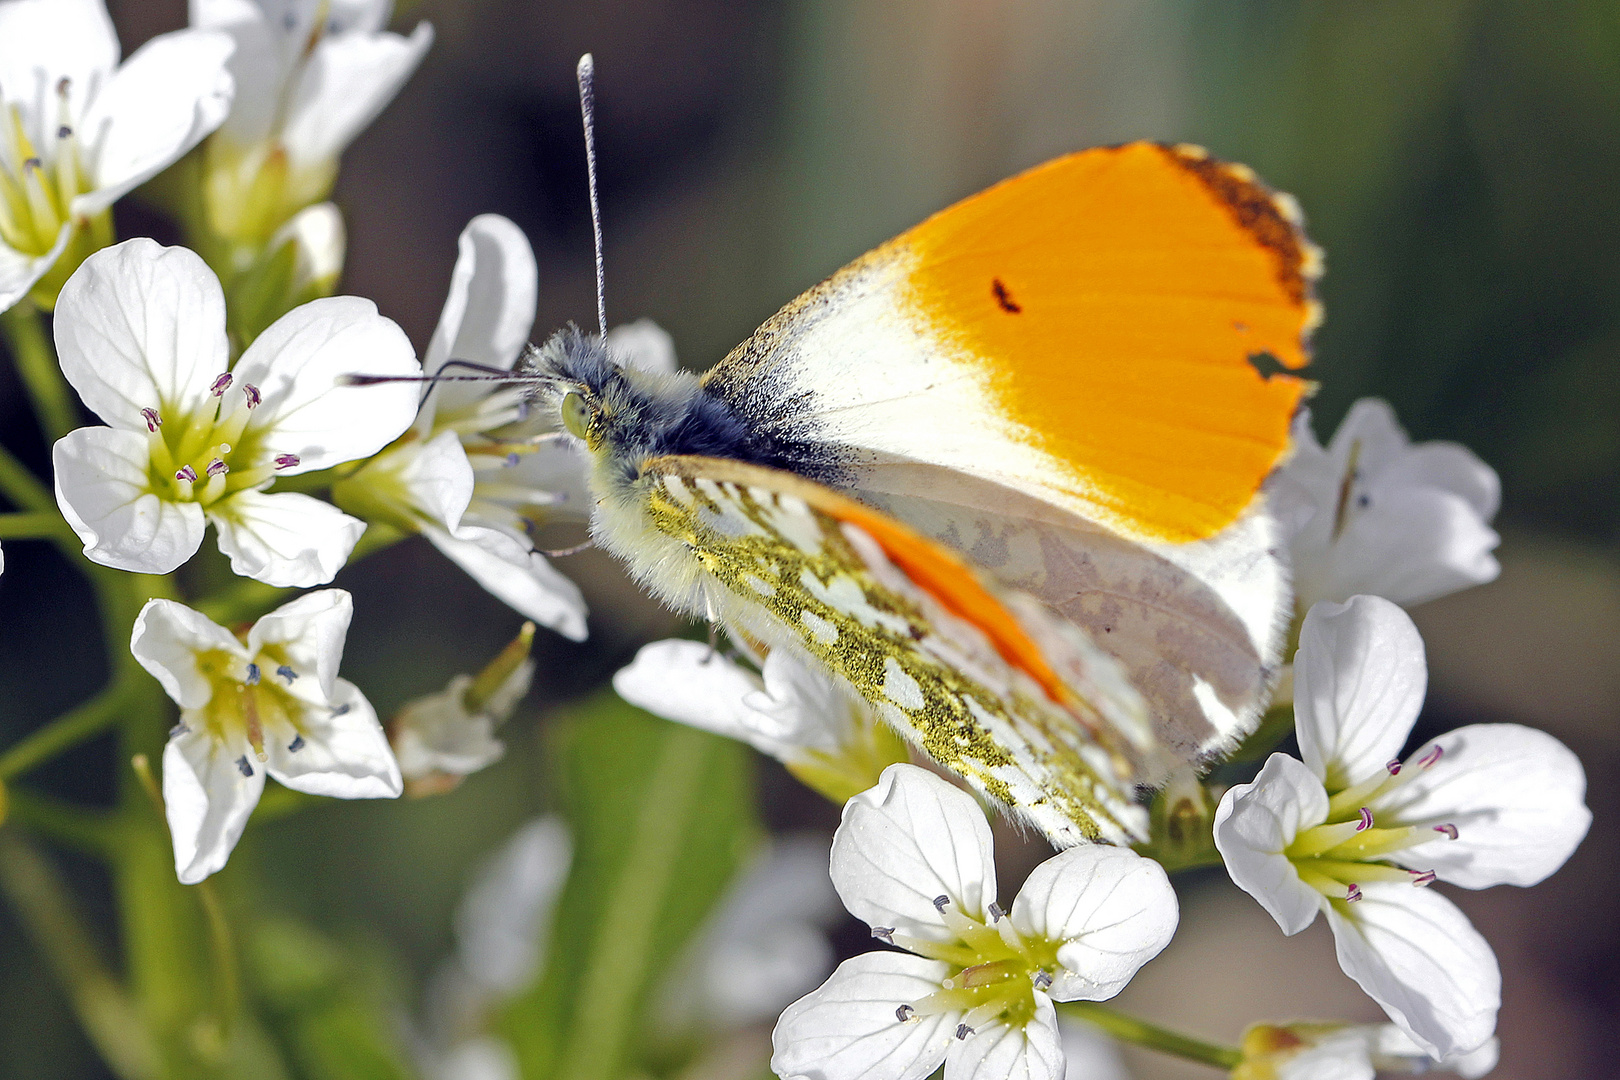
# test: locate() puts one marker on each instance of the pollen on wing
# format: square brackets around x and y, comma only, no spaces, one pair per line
[797,566]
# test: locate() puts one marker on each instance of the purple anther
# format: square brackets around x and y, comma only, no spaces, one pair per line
[186,473]
[217,468]
[963,1031]
[1422,878]
[1394,767]
[940,901]
[32,163]
[884,934]
[220,385]
[1449,829]
[340,710]
[252,394]
[243,766]
[1043,979]
[63,85]
[512,460]
[996,914]
[904,1013]
[178,730]
[296,745]
[287,673]
[64,132]
[1428,760]
[1366,820]
[253,675]
[286,461]
[153,420]
[1353,893]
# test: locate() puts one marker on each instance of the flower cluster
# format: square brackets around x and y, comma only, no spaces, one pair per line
[1353,830]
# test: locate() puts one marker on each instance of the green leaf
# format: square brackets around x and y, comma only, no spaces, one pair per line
[662,817]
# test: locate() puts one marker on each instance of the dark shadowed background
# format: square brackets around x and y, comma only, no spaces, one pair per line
[1459,160]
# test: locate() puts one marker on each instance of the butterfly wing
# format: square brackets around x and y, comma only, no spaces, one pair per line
[1197,627]
[1112,332]
[1087,366]
[987,681]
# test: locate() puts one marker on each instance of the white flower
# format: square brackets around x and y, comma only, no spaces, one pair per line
[477,496]
[141,333]
[912,859]
[447,735]
[1318,1051]
[310,76]
[1355,832]
[763,945]
[826,736]
[1373,514]
[78,129]
[270,703]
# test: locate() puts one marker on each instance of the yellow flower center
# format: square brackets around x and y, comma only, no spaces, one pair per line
[250,700]
[995,971]
[37,187]
[207,455]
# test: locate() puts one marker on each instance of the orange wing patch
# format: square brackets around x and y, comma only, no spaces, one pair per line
[1121,302]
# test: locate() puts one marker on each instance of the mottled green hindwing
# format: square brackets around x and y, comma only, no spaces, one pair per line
[788,571]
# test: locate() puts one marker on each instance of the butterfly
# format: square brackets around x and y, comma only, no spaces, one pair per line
[1002,476]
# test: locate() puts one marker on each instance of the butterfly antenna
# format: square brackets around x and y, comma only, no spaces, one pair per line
[587,109]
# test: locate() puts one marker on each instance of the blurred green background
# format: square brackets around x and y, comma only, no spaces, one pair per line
[1459,161]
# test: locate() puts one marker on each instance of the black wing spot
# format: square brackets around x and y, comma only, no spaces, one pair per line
[1004,298]
[1268,366]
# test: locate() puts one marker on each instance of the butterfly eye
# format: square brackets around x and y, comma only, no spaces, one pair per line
[576,415]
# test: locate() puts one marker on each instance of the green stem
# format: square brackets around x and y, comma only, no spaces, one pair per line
[1130,1029]
[21,486]
[65,732]
[609,990]
[222,949]
[86,830]
[32,525]
[47,911]
[36,362]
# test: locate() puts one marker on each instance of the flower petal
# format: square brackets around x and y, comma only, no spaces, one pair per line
[142,326]
[1359,680]
[503,921]
[644,346]
[1406,544]
[1394,1051]
[1516,796]
[803,708]
[168,95]
[298,364]
[311,631]
[848,1030]
[1089,1054]
[999,1052]
[344,753]
[692,683]
[1111,909]
[520,578]
[344,85]
[434,734]
[1255,822]
[166,640]
[489,312]
[907,841]
[101,489]
[438,478]
[1416,955]
[287,540]
[42,41]
[209,791]
[19,271]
